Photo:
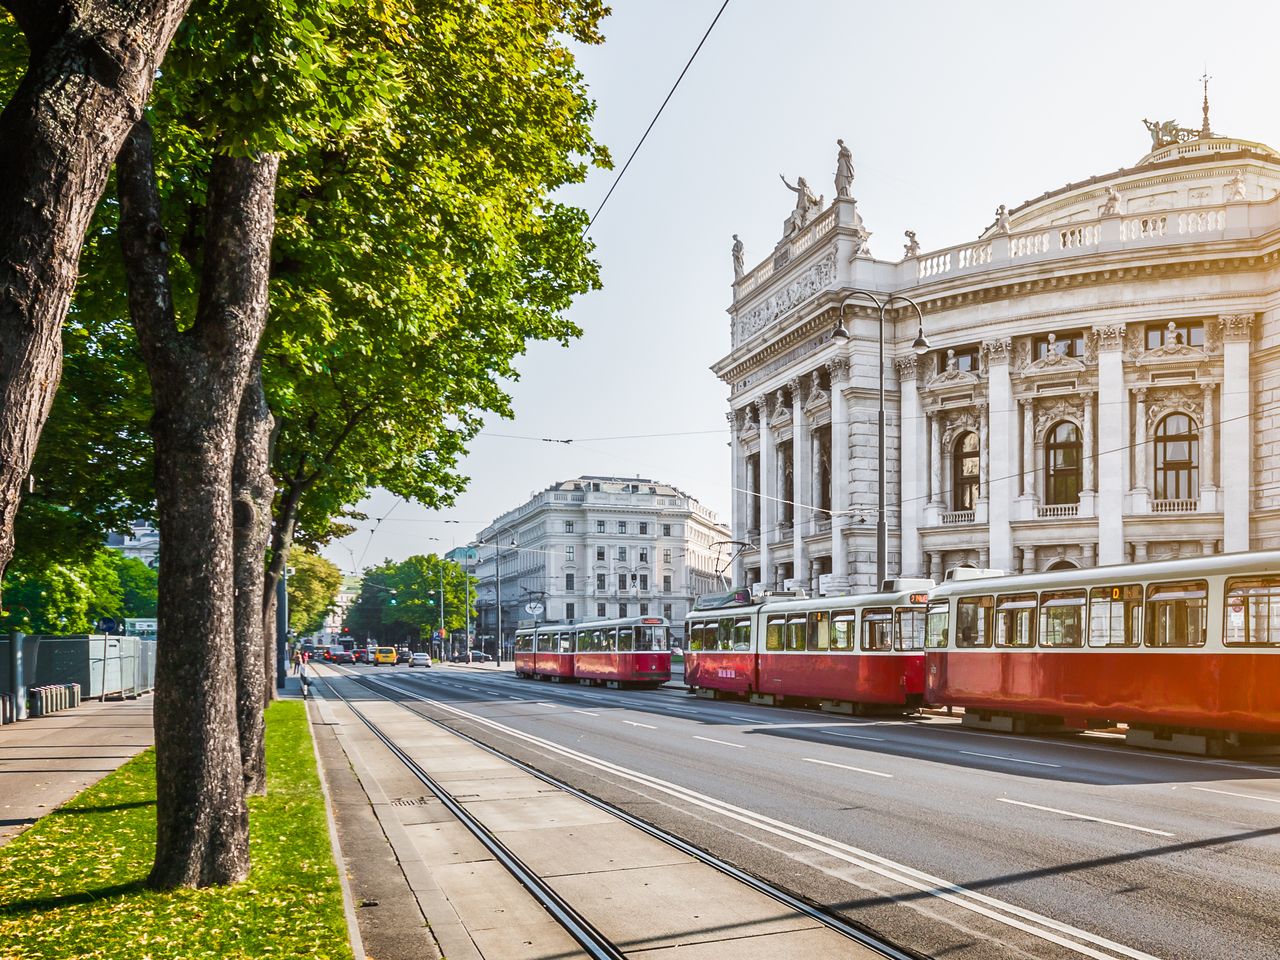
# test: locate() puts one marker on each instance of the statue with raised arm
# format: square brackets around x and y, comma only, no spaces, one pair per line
[737,258]
[1153,128]
[844,171]
[805,200]
[1236,188]
[1002,219]
[912,247]
[1112,206]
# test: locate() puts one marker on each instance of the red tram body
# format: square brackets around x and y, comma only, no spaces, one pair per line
[631,651]
[1177,647]
[849,653]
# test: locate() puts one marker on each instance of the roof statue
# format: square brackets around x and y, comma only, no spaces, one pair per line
[1235,187]
[807,205]
[844,171]
[912,247]
[1002,219]
[1112,206]
[1165,132]
[737,258]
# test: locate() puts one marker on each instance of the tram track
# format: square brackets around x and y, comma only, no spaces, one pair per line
[579,927]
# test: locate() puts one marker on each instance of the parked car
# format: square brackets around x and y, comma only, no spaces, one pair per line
[458,657]
[403,654]
[479,656]
[383,655]
[420,660]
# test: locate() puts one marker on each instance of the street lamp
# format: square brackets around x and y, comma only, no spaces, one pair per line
[921,346]
[497,586]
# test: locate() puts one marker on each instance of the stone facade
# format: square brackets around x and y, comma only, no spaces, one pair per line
[1102,382]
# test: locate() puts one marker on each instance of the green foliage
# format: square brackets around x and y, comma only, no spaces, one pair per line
[73,885]
[64,598]
[401,601]
[313,588]
[139,586]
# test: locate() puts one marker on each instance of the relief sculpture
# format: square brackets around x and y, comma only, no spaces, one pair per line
[805,286]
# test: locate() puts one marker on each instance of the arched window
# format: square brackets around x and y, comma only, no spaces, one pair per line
[1177,448]
[1062,565]
[964,472]
[1062,463]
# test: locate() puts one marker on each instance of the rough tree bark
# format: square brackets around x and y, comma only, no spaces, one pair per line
[198,377]
[89,74]
[251,493]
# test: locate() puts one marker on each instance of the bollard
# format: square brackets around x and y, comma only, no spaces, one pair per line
[5,708]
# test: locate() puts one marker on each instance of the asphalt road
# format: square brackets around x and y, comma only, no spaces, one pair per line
[950,842]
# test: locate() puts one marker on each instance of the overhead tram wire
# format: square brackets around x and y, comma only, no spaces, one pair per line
[670,93]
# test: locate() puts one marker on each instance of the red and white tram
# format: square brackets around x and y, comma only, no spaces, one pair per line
[850,653]
[1185,652]
[631,651]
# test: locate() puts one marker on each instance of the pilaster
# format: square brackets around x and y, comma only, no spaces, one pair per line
[1237,430]
[999,453]
[1113,437]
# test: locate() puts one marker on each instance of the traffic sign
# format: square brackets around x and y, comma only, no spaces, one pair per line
[534,607]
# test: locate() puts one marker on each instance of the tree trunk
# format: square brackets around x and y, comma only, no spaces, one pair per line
[198,377]
[89,74]
[251,495]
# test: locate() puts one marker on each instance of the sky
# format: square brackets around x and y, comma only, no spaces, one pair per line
[950,109]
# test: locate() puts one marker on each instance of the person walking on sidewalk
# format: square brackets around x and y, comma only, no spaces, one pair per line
[297,662]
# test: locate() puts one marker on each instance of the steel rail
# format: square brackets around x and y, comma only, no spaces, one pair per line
[819,914]
[596,944]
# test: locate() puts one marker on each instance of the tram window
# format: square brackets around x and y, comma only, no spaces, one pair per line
[742,635]
[724,634]
[910,633]
[611,640]
[1177,614]
[1062,618]
[936,624]
[1252,615]
[694,631]
[566,643]
[773,632]
[973,621]
[795,633]
[1016,620]
[625,638]
[844,636]
[1115,616]
[877,629]
[819,632]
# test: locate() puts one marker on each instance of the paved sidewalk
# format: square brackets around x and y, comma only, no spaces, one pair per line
[46,761]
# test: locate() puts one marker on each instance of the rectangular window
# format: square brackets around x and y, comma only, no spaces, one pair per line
[910,634]
[568,526]
[666,610]
[795,633]
[644,554]
[622,582]
[666,583]
[644,609]
[843,633]
[622,526]
[644,581]
[568,553]
[626,639]
[974,621]
[599,526]
[600,553]
[724,633]
[1062,618]
[644,529]
[773,633]
[622,554]
[819,632]
[599,609]
[936,625]
[1252,615]
[622,610]
[1016,620]
[694,631]
[568,581]
[966,359]
[1115,616]
[877,629]
[1066,344]
[1188,333]
[600,581]
[666,529]
[742,634]
[1177,614]
[569,611]
[666,556]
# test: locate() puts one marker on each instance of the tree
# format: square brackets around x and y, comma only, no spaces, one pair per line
[89,71]
[401,602]
[313,589]
[64,598]
[137,586]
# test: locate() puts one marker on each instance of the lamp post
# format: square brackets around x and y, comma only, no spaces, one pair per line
[497,589]
[921,347]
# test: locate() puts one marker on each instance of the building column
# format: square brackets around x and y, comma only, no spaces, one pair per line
[839,368]
[1028,449]
[1208,453]
[740,504]
[1088,491]
[912,468]
[999,452]
[1112,439]
[1028,559]
[769,493]
[935,566]
[935,463]
[1140,441]
[1237,430]
[800,482]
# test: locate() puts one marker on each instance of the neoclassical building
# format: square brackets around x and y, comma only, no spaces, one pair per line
[1102,383]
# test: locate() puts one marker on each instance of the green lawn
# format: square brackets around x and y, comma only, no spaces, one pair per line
[72,885]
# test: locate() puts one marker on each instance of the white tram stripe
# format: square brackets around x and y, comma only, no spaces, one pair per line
[996,756]
[634,723]
[1046,928]
[1246,796]
[1085,816]
[723,743]
[845,766]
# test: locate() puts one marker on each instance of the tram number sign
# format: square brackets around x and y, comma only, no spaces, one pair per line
[919,598]
[726,674]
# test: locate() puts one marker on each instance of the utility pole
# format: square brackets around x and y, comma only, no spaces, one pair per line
[442,604]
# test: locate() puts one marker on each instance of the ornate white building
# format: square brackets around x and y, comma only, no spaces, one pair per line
[1103,382]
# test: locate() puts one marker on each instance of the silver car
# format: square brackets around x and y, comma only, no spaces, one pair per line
[420,660]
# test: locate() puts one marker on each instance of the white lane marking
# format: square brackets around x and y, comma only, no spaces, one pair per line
[723,743]
[745,719]
[633,723]
[1028,921]
[587,713]
[1246,796]
[845,766]
[996,756]
[854,736]
[681,709]
[518,699]
[1085,816]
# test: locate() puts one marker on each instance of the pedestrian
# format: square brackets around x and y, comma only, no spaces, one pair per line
[297,662]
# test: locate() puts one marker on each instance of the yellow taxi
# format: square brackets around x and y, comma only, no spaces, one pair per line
[384,655]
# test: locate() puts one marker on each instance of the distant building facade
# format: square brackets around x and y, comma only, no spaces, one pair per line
[596,547]
[142,542]
[1102,383]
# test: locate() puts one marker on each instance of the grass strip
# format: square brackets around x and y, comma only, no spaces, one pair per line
[73,885]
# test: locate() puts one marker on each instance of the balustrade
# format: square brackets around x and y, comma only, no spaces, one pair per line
[1052,511]
[1086,235]
[1029,244]
[1202,221]
[1143,228]
[957,516]
[1175,506]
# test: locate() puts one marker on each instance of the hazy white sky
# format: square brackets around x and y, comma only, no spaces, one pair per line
[950,109]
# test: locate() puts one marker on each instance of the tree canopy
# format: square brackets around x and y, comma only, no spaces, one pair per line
[401,602]
[314,583]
